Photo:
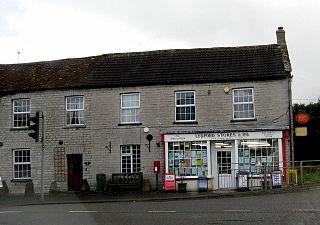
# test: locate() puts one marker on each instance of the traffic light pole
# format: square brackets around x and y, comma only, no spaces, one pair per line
[42,156]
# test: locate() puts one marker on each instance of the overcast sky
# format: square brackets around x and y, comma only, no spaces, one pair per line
[55,29]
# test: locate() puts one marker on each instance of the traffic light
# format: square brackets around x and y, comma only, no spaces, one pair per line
[34,127]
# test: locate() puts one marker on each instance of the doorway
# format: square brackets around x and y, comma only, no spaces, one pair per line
[74,172]
[225,167]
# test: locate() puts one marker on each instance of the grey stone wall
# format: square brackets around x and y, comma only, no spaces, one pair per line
[102,118]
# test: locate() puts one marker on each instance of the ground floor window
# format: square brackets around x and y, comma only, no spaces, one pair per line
[130,159]
[255,155]
[21,164]
[188,158]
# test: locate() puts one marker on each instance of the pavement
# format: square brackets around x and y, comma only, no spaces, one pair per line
[74,197]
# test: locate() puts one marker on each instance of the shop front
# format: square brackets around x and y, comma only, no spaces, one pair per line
[220,156]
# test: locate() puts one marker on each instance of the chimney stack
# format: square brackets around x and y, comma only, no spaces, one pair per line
[281,41]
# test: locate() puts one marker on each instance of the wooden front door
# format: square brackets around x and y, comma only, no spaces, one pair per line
[74,172]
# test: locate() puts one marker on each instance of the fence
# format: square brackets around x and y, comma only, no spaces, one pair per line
[268,175]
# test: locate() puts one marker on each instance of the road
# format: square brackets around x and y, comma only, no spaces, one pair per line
[287,208]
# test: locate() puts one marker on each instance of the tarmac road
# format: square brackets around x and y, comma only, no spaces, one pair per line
[285,208]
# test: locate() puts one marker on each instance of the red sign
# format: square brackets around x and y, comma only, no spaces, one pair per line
[302,118]
[170,182]
[156,166]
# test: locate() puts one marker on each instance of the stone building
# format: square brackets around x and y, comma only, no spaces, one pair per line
[202,106]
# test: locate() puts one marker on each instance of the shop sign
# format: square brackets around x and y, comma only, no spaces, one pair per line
[301,131]
[170,182]
[302,118]
[223,136]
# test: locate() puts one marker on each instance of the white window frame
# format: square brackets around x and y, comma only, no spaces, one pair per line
[185,105]
[27,113]
[75,110]
[20,163]
[241,103]
[130,154]
[137,116]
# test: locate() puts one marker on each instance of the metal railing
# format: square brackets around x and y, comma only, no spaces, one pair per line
[268,175]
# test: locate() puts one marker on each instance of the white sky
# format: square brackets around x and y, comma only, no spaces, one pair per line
[55,29]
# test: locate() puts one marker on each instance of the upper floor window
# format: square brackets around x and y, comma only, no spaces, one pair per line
[75,110]
[130,108]
[21,112]
[21,164]
[185,106]
[243,103]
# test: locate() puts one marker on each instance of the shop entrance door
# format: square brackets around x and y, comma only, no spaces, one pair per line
[74,171]
[224,161]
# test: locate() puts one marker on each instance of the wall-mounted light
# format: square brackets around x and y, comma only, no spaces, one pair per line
[60,142]
[109,147]
[149,138]
[87,163]
[226,89]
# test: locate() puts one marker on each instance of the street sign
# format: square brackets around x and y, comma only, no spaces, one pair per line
[302,118]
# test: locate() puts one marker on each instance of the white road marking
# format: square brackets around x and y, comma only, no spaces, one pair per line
[10,212]
[307,210]
[83,211]
[237,210]
[162,211]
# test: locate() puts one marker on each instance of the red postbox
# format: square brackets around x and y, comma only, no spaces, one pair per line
[156,166]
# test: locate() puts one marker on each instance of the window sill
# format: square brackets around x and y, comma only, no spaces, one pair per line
[74,126]
[21,180]
[129,124]
[185,122]
[243,120]
[19,128]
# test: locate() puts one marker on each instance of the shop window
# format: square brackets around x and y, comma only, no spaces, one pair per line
[255,155]
[130,159]
[243,104]
[75,110]
[185,106]
[21,113]
[130,108]
[21,164]
[188,158]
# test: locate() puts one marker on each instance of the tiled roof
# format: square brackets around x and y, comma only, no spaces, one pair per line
[177,66]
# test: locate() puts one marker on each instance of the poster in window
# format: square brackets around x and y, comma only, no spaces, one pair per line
[194,171]
[246,153]
[171,170]
[193,162]
[187,153]
[171,155]
[171,162]
[181,171]
[269,159]
[198,154]
[199,162]
[200,173]
[176,155]
[205,161]
[253,161]
[176,163]
[188,171]
[258,161]
[204,153]
[193,154]
[187,163]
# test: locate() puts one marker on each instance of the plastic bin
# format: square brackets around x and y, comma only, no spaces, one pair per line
[101,181]
[202,184]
